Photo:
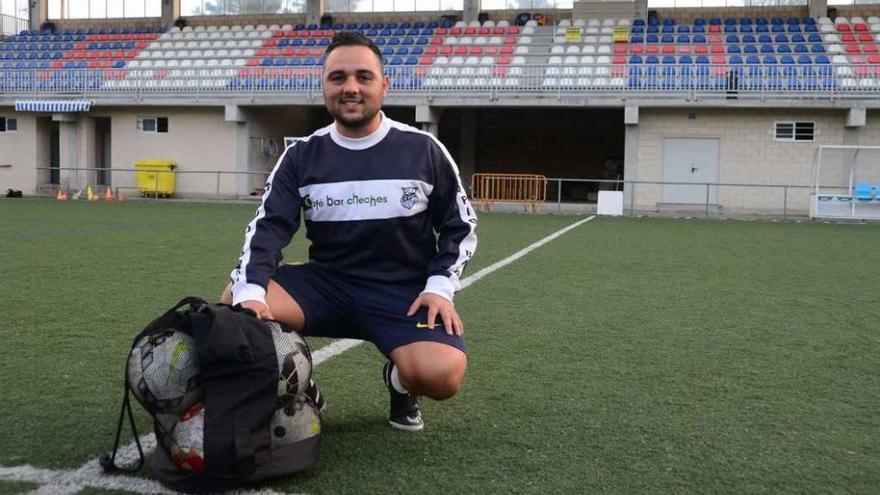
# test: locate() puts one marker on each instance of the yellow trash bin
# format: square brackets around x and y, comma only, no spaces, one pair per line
[155,177]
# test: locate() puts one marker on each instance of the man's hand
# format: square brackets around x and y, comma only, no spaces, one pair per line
[259,308]
[438,306]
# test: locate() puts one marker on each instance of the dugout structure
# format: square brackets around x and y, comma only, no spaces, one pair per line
[847,182]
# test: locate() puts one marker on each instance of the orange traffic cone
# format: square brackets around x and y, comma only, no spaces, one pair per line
[60,196]
[63,196]
[96,197]
[120,196]
[108,195]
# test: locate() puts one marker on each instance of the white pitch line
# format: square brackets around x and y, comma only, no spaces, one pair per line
[90,474]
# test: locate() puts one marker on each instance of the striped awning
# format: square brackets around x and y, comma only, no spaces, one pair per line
[53,106]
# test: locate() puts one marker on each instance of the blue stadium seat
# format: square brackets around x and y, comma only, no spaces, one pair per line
[699,38]
[798,38]
[652,59]
[396,61]
[786,60]
[668,59]
[667,38]
[817,48]
[811,29]
[413,32]
[324,42]
[683,38]
[402,51]
[653,29]
[783,49]
[392,25]
[699,21]
[733,49]
[804,60]
[365,25]
[699,29]
[746,29]
[683,29]
[781,38]
[379,41]
[777,21]
[393,41]
[762,28]
[777,28]
[814,38]
[636,39]
[423,40]
[668,29]
[702,59]
[635,59]
[412,61]
[715,21]
[399,32]
[794,28]
[731,29]
[637,30]
[388,51]
[652,38]
[310,42]
[765,39]
[767,49]
[653,21]
[735,60]
[416,51]
[748,38]
[407,41]
[769,60]
[732,38]
[753,60]
[863,191]
[685,59]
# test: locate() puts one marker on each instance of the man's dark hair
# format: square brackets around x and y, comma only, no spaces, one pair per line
[352,38]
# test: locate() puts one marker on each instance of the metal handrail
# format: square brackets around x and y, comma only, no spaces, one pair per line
[688,81]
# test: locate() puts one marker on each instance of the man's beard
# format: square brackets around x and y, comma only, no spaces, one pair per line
[353,124]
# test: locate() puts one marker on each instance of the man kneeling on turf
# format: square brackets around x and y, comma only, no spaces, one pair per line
[391,231]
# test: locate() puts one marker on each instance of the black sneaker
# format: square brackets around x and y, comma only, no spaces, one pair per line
[316,396]
[405,412]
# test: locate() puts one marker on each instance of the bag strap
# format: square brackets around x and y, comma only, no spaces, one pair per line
[108,461]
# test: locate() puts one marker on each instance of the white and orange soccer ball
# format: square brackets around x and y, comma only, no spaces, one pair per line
[187,440]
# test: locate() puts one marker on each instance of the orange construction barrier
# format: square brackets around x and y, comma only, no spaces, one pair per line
[528,189]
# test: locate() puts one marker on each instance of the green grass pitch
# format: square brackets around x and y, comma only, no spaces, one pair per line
[628,356]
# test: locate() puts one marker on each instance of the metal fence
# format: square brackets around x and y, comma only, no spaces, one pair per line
[563,195]
[13,25]
[681,81]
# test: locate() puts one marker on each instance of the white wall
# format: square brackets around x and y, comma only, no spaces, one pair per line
[748,153]
[18,149]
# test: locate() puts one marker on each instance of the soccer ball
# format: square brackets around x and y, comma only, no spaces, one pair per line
[295,422]
[294,363]
[187,440]
[163,372]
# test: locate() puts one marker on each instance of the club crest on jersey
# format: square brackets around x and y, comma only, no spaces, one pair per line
[410,197]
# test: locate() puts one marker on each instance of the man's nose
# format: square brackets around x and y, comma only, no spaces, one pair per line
[350,85]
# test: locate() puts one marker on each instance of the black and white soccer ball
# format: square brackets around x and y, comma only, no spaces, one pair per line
[295,422]
[294,363]
[163,372]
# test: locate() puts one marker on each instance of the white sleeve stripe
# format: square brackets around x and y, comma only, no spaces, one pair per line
[239,275]
[469,243]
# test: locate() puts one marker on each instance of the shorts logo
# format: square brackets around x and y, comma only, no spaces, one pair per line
[422,325]
[409,198]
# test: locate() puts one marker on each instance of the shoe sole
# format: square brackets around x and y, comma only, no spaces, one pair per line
[399,426]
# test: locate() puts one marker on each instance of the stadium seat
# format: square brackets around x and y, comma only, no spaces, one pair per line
[863,191]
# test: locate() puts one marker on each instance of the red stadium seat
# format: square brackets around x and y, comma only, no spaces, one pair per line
[869,48]
[701,49]
[637,48]
[461,50]
[475,50]
[683,49]
[491,50]
[620,49]
[426,60]
[278,34]
[513,30]
[455,31]
[441,31]
[714,39]
[499,30]
[714,28]
[437,40]
[719,59]
[667,49]
[262,52]
[510,40]
[853,48]
[865,38]
[506,50]
[470,31]
[431,50]
[652,49]
[141,44]
[874,59]
[271,42]
[861,28]
[844,28]
[93,64]
[288,52]
[446,50]
[315,52]
[618,59]
[485,31]
[848,38]
[717,49]
[252,62]
[502,61]
[302,52]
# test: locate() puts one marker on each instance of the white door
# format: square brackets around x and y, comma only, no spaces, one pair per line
[690,161]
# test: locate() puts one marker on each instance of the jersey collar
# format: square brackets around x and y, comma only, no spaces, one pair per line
[363,142]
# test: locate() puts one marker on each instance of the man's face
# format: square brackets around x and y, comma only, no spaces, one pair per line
[354,89]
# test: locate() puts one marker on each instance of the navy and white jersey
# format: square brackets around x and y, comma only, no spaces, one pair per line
[386,207]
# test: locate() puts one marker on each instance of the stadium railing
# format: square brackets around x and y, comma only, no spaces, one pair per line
[561,195]
[495,81]
[529,190]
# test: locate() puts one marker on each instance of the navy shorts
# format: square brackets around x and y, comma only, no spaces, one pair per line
[338,306]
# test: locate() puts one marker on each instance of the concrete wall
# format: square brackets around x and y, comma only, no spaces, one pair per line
[748,154]
[198,139]
[18,150]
